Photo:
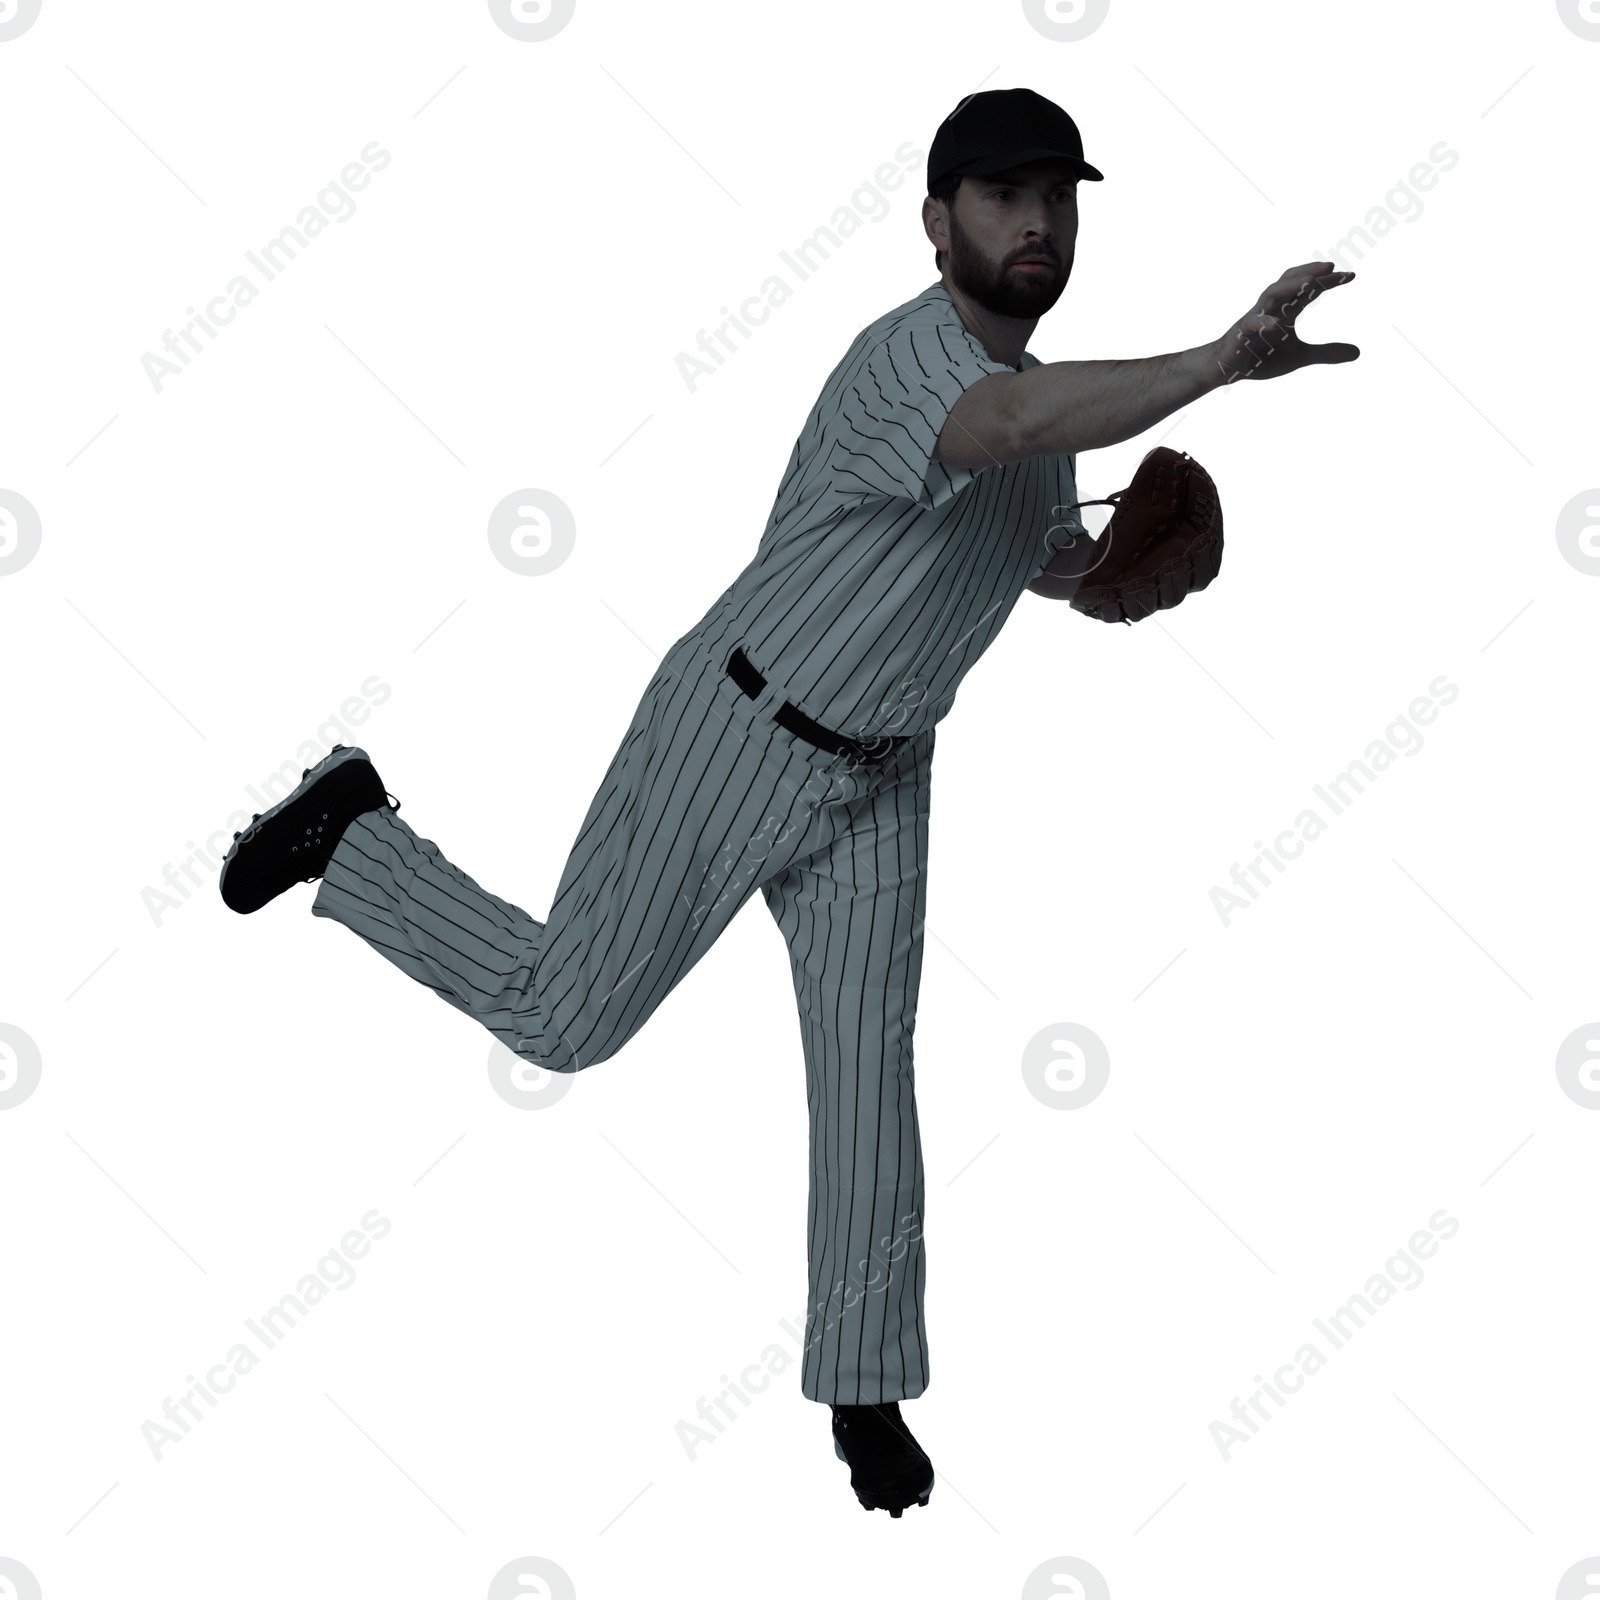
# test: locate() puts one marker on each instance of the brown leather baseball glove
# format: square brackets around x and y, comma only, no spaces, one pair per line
[1164,541]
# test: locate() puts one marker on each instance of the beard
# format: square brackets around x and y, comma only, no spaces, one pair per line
[995,287]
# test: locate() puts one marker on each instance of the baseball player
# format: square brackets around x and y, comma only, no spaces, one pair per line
[785,742]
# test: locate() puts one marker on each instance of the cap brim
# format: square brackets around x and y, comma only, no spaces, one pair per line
[989,165]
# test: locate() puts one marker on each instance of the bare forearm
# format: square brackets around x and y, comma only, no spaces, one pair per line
[1063,407]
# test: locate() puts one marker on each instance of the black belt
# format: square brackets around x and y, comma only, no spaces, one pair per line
[790,716]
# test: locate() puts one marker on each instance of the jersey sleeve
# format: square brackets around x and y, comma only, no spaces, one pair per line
[893,406]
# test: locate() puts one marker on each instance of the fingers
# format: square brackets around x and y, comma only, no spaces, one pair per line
[1293,295]
[1299,286]
[1330,354]
[1313,269]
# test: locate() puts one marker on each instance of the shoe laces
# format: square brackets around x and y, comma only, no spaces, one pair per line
[394,805]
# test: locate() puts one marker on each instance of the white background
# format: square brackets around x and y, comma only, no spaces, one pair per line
[1292,1095]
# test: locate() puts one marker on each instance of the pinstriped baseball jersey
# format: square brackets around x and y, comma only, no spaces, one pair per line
[883,574]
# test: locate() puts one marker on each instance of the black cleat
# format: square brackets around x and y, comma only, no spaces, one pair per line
[292,842]
[888,1468]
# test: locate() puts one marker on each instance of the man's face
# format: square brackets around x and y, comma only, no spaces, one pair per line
[1012,238]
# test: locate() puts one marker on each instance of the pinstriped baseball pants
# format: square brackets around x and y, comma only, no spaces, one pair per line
[706,800]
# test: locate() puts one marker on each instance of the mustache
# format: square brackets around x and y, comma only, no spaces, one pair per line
[1052,255]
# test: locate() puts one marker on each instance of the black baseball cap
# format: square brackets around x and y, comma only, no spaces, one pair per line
[998,129]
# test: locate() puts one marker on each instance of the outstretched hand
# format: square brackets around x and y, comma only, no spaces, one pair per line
[1264,344]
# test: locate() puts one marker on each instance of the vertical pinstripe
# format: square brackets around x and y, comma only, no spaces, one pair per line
[705,800]
[883,574]
[852,913]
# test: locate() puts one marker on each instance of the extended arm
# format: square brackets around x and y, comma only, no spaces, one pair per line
[1063,407]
